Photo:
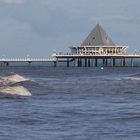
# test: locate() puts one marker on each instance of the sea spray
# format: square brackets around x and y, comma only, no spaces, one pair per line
[15,90]
[8,85]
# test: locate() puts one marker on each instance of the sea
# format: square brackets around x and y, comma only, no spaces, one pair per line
[73,104]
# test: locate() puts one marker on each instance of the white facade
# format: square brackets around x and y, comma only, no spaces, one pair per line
[98,50]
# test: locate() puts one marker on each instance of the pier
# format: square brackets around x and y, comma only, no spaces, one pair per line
[29,60]
[80,60]
[97,60]
[97,49]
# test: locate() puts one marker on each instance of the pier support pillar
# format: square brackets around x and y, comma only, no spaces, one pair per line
[96,62]
[103,61]
[106,63]
[123,62]
[55,63]
[68,62]
[79,62]
[7,64]
[85,62]
[131,62]
[114,62]
[29,63]
[74,62]
[89,62]
[92,62]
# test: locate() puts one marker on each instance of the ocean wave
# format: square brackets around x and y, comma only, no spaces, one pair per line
[15,90]
[133,77]
[8,85]
[12,78]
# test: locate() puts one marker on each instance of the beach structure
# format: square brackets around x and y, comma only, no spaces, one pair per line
[97,48]
[98,43]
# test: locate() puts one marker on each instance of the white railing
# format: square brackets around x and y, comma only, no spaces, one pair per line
[116,46]
[70,54]
[27,59]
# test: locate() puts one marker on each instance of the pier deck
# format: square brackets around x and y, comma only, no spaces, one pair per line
[81,60]
[96,56]
[27,59]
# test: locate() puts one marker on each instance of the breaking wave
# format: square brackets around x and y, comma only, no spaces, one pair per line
[12,78]
[15,90]
[133,77]
[9,85]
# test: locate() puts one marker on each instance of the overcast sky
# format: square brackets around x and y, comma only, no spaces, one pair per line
[37,27]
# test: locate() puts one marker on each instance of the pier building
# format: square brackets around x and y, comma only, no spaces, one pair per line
[98,43]
[97,47]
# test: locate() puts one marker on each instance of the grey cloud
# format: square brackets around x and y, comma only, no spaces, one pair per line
[39,26]
[12,1]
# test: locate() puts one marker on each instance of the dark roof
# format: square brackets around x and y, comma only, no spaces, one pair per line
[98,37]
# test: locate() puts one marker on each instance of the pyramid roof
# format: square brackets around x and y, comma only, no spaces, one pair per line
[98,37]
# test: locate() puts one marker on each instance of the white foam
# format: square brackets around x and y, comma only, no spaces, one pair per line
[15,90]
[8,85]
[13,78]
[132,78]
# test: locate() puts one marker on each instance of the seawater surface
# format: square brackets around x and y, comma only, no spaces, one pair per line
[73,104]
